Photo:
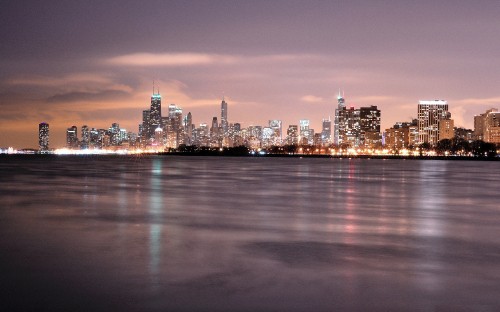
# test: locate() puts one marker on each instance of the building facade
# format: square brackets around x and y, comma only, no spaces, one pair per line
[43,137]
[429,115]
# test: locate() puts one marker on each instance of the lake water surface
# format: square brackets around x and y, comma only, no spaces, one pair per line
[161,233]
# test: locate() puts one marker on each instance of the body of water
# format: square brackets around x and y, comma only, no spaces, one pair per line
[161,233]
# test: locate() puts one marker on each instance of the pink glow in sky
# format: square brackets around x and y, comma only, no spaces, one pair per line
[78,62]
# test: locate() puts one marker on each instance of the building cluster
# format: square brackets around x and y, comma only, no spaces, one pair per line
[352,128]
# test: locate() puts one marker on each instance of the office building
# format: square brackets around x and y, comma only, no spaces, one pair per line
[155,119]
[72,137]
[339,120]
[85,143]
[487,126]
[429,115]
[223,118]
[369,119]
[43,137]
[326,132]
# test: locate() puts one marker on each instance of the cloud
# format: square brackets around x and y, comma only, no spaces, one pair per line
[492,101]
[88,96]
[76,82]
[50,81]
[170,59]
[195,59]
[311,99]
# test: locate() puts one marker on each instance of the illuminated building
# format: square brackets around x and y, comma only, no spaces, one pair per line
[173,128]
[276,136]
[43,137]
[214,133]
[267,136]
[306,136]
[158,141]
[401,135]
[465,134]
[84,144]
[155,113]
[369,119]
[487,126]
[339,120]
[350,127]
[95,141]
[492,127]
[326,132]
[429,115]
[292,135]
[223,117]
[114,134]
[72,137]
[145,126]
[446,130]
[188,128]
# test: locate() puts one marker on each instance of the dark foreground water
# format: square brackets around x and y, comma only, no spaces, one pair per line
[248,234]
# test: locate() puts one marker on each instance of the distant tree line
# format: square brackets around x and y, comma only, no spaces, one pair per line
[461,147]
[210,151]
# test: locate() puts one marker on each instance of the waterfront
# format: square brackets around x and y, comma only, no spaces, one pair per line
[248,234]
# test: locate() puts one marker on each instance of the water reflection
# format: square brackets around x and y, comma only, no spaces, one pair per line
[174,233]
[155,218]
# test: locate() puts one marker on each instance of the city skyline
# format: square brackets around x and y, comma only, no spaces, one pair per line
[96,67]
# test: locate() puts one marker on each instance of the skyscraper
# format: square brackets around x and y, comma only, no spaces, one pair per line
[43,137]
[223,117]
[72,137]
[429,115]
[326,132]
[276,136]
[85,137]
[487,126]
[154,114]
[306,134]
[339,120]
[292,135]
[369,118]
[188,129]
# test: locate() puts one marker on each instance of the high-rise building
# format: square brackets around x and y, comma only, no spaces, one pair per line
[292,135]
[276,137]
[85,143]
[223,117]
[95,141]
[369,118]
[188,129]
[114,134]
[326,132]
[72,137]
[401,135]
[446,129]
[487,126]
[173,127]
[155,114]
[43,137]
[304,132]
[339,120]
[350,127]
[429,115]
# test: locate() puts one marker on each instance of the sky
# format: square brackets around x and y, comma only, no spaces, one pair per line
[94,62]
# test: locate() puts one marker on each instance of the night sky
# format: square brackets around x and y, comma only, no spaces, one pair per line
[93,62]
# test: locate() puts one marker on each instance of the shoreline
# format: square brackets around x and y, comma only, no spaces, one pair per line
[400,157]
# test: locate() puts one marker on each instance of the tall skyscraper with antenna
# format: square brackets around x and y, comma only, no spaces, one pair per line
[339,121]
[155,112]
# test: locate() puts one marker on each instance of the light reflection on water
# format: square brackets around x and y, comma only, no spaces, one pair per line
[158,233]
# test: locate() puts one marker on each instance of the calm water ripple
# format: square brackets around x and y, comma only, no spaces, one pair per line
[248,234]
